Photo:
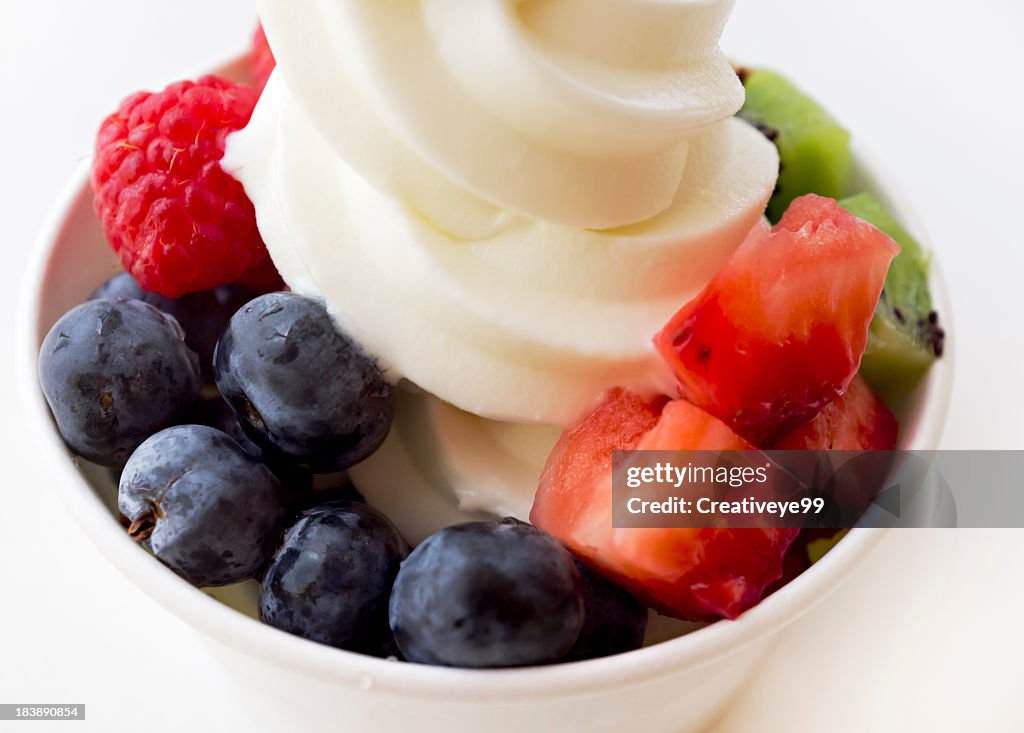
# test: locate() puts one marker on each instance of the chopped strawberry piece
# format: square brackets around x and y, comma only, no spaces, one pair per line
[779,333]
[855,421]
[583,458]
[696,574]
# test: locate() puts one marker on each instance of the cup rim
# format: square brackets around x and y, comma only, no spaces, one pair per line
[252,638]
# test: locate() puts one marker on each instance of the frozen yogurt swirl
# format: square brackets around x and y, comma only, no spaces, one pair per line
[503,200]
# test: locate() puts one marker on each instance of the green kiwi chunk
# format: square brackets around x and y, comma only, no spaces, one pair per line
[814,149]
[905,337]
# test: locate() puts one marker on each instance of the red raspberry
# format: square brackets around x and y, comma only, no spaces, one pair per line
[178,222]
[261,58]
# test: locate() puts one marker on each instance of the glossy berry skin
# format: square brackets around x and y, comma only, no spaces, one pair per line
[296,480]
[614,621]
[331,578]
[216,413]
[780,330]
[114,371]
[177,221]
[301,388]
[487,594]
[204,506]
[203,316]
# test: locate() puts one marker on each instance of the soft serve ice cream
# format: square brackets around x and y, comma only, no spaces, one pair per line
[502,201]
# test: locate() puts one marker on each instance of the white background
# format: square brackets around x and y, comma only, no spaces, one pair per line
[928,638]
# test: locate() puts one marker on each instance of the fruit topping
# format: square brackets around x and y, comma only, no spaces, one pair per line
[295,479]
[814,150]
[203,505]
[905,337]
[779,332]
[202,316]
[176,219]
[331,578]
[694,574]
[613,621]
[857,420]
[487,594]
[302,390]
[114,371]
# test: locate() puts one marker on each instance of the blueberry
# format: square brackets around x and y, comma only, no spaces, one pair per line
[301,388]
[302,489]
[296,480]
[217,413]
[487,594]
[114,371]
[205,507]
[614,621]
[203,315]
[331,578]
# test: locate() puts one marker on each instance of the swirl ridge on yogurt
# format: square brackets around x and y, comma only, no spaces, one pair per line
[503,200]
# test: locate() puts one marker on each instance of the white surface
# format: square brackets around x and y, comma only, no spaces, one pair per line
[932,633]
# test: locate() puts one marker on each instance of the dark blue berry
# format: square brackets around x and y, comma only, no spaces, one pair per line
[487,594]
[296,480]
[331,578]
[205,507]
[202,316]
[301,388]
[614,621]
[114,371]
[217,413]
